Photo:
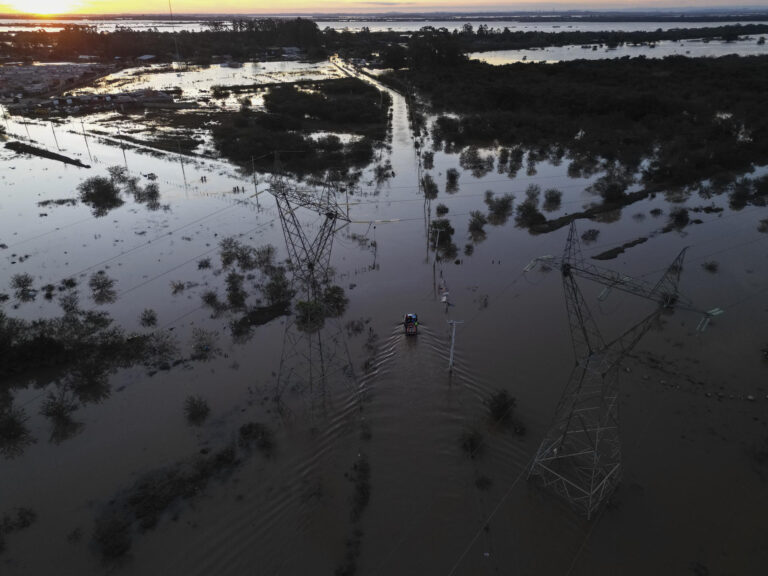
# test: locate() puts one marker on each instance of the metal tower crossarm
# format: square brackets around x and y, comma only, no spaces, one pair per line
[580,455]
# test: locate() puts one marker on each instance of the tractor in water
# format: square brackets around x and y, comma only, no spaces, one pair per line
[411,323]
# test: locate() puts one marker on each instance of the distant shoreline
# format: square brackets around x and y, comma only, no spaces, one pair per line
[680,15]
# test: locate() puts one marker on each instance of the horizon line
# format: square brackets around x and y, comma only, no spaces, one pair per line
[410,14]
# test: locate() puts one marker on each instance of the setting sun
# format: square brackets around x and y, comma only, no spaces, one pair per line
[43,7]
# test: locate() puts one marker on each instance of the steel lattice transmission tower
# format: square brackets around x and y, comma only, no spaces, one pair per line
[310,354]
[580,456]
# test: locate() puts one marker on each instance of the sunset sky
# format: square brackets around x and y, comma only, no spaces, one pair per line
[354,6]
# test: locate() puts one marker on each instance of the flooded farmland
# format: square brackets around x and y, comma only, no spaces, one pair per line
[191,434]
[687,48]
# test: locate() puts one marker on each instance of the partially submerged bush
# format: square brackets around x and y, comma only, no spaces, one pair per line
[211,299]
[16,521]
[679,218]
[441,232]
[101,194]
[196,410]
[471,159]
[711,266]
[334,301]
[102,288]
[500,406]
[361,477]
[236,296]
[278,289]
[472,443]
[204,344]
[441,210]
[151,496]
[22,287]
[310,315]
[112,536]
[476,222]
[590,235]
[148,318]
[429,187]
[258,434]
[58,407]
[499,209]
[149,195]
[14,434]
[451,180]
[483,483]
[552,199]
[612,186]
[219,92]
[528,214]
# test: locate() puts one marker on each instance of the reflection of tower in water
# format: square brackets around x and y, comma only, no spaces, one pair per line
[314,350]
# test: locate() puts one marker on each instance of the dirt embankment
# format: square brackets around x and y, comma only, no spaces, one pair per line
[21,148]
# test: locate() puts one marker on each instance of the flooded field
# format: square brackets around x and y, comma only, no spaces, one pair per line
[200,439]
[688,48]
[197,82]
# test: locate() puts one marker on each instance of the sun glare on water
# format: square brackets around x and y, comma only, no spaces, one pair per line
[43,7]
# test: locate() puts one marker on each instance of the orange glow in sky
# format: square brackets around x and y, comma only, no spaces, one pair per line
[41,7]
[50,7]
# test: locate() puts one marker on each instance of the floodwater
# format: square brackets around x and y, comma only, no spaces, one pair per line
[689,48]
[196,81]
[396,25]
[692,405]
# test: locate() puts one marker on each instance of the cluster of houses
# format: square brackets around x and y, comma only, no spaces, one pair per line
[22,80]
[87,103]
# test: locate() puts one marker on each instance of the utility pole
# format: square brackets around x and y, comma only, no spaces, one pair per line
[255,186]
[122,147]
[82,125]
[55,139]
[453,341]
[181,161]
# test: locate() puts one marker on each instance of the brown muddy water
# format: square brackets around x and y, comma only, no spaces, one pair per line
[363,469]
